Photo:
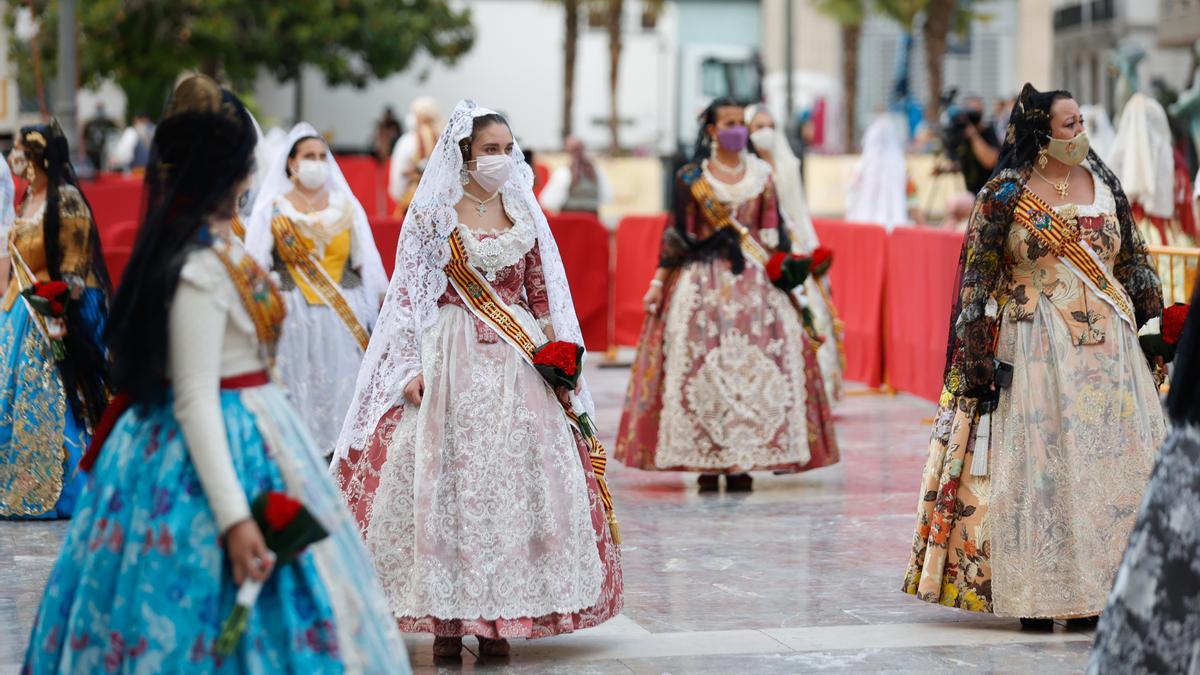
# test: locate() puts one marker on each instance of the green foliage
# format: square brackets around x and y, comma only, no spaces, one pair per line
[144,45]
[845,12]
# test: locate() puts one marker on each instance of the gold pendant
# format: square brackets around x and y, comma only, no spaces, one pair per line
[1062,189]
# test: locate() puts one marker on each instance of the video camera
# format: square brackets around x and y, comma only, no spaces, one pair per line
[955,120]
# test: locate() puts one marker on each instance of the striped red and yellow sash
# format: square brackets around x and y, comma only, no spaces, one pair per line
[238,227]
[720,217]
[1062,239]
[299,259]
[483,301]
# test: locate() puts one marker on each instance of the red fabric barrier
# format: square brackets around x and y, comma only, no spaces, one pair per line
[638,241]
[584,245]
[922,267]
[123,233]
[857,275]
[115,259]
[387,239]
[362,173]
[114,200]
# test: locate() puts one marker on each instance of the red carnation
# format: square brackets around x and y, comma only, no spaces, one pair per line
[51,289]
[57,308]
[280,510]
[559,354]
[1173,319]
[775,266]
[822,258]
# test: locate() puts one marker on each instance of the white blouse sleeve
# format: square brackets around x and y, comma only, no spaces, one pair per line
[401,164]
[196,329]
[557,189]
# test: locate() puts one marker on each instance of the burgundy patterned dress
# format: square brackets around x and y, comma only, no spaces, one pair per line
[726,378]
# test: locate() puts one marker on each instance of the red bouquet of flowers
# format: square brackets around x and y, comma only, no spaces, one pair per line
[49,299]
[559,363]
[1162,342]
[822,260]
[287,528]
[788,270]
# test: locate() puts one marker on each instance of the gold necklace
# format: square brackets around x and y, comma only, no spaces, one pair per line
[481,207]
[1061,188]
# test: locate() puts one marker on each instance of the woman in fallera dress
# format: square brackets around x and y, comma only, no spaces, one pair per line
[1050,417]
[164,534]
[308,227]
[480,499]
[726,378]
[53,369]
[771,145]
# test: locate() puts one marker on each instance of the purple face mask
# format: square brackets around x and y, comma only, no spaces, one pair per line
[733,139]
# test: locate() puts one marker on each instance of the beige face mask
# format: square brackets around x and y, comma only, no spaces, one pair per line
[1070,152]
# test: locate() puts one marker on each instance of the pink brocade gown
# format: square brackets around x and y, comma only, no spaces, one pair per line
[725,380]
[480,507]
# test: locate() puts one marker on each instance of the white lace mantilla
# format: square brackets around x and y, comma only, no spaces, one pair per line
[491,252]
[749,187]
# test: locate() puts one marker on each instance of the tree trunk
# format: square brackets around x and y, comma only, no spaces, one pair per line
[850,35]
[616,9]
[298,97]
[936,30]
[570,48]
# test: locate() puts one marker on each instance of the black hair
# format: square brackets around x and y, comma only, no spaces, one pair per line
[202,151]
[287,170]
[703,148]
[477,125]
[1028,128]
[85,368]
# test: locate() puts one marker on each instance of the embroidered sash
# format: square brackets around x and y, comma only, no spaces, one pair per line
[238,227]
[487,305]
[721,217]
[1062,238]
[24,277]
[300,260]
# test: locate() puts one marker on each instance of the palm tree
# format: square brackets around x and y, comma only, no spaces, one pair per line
[570,50]
[616,10]
[940,15]
[849,14]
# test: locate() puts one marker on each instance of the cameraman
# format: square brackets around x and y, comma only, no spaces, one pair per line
[977,148]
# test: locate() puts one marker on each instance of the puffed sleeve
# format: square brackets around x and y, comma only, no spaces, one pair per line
[971,370]
[74,234]
[1134,268]
[535,287]
[197,321]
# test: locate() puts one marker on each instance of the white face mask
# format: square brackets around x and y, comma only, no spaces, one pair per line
[492,171]
[18,163]
[312,173]
[764,139]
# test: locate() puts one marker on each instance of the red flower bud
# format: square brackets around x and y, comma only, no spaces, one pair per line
[1173,319]
[559,354]
[280,510]
[56,308]
[50,289]
[775,266]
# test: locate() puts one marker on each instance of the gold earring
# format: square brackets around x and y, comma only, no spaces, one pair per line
[1043,158]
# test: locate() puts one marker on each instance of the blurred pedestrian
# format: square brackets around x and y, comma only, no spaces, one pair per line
[577,186]
[96,133]
[387,132]
[412,150]
[132,151]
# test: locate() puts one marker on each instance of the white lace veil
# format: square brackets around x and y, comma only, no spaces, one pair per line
[393,358]
[8,212]
[789,186]
[260,241]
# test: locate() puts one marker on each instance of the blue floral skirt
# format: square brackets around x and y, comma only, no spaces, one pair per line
[143,585]
[41,437]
